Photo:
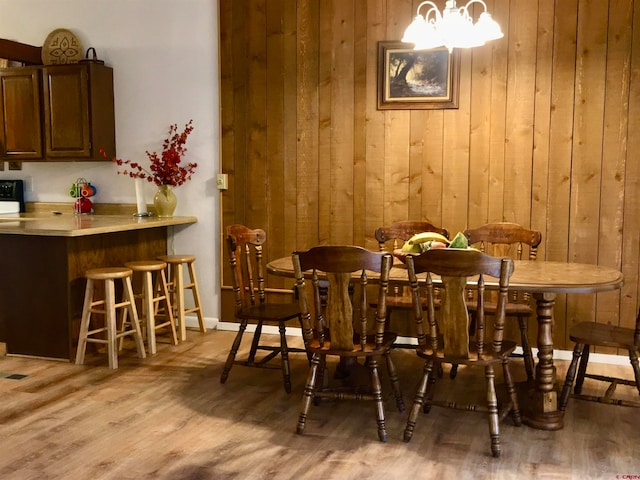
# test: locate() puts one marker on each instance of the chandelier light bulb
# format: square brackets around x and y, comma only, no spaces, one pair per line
[453,28]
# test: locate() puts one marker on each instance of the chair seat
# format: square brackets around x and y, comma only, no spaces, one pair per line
[270,311]
[511,309]
[591,333]
[406,302]
[487,358]
[369,350]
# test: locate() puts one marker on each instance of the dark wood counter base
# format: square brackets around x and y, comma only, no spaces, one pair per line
[42,284]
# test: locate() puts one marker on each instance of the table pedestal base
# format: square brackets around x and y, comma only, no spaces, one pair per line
[539,410]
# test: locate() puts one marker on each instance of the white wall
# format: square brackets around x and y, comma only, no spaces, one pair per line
[165,59]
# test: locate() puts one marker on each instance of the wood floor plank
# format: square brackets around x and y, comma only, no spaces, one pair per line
[168,417]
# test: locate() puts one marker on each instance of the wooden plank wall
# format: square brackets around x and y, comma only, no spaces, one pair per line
[541,136]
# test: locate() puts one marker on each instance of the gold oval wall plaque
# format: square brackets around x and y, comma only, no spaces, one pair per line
[61,47]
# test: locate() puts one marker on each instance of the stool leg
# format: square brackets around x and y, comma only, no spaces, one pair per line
[196,297]
[148,310]
[137,335]
[168,308]
[178,290]
[110,322]
[84,323]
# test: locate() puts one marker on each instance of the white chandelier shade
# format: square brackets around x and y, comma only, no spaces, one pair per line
[453,28]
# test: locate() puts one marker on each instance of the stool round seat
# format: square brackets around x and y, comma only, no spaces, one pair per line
[106,273]
[175,259]
[146,265]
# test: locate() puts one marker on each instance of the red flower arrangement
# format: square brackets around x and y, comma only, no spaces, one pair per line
[165,169]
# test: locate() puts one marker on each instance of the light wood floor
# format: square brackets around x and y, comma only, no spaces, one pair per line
[168,417]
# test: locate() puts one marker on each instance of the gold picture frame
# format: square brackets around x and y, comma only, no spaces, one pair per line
[417,79]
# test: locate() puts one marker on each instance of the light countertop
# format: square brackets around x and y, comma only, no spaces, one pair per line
[73,225]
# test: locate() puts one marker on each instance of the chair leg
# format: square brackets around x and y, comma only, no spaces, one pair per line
[284,353]
[492,404]
[395,383]
[582,370]
[376,388]
[526,348]
[418,401]
[309,391]
[633,358]
[232,353]
[571,375]
[426,406]
[511,390]
[255,343]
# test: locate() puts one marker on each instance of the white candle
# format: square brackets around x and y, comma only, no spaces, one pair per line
[142,205]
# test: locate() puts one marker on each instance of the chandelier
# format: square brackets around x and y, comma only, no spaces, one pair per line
[453,28]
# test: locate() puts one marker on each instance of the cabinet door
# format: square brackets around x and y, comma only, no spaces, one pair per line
[66,112]
[20,122]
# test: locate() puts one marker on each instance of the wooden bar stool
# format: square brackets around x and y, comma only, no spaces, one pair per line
[151,298]
[108,307]
[177,287]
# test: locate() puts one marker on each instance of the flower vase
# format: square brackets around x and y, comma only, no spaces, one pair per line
[165,201]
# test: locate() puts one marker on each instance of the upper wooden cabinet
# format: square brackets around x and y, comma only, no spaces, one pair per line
[57,112]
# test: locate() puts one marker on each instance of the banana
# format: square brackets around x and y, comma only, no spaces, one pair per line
[408,248]
[426,237]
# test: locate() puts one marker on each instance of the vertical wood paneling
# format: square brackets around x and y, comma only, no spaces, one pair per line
[228,122]
[289,126]
[614,149]
[342,113]
[631,219]
[256,213]
[375,146]
[397,130]
[307,131]
[455,160]
[520,103]
[479,136]
[497,117]
[325,160]
[544,132]
[560,142]
[275,161]
[432,167]
[542,121]
[360,232]
[586,169]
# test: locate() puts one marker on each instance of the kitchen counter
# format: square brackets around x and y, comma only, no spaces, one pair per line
[74,225]
[45,257]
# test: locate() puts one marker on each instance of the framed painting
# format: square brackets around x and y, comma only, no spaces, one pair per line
[417,79]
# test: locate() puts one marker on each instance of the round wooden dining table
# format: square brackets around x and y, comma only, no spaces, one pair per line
[544,280]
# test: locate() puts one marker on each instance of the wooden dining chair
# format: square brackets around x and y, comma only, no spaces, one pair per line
[515,241]
[392,238]
[249,287]
[340,328]
[587,334]
[447,338]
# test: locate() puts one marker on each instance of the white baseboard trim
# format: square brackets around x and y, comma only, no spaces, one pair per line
[191,321]
[557,354]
